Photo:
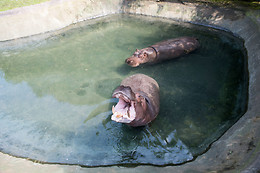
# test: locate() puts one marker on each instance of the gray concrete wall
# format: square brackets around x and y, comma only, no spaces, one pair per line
[52,15]
[237,150]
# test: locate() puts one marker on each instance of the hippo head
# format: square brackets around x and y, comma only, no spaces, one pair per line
[141,56]
[131,107]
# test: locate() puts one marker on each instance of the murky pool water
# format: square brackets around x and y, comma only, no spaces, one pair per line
[55,93]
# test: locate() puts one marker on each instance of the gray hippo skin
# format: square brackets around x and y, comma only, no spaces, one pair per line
[138,101]
[164,50]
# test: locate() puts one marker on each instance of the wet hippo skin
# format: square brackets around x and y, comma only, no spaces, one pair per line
[138,100]
[163,50]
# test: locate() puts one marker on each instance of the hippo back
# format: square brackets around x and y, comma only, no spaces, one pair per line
[175,47]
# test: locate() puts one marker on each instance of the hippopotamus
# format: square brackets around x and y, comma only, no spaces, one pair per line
[163,50]
[138,102]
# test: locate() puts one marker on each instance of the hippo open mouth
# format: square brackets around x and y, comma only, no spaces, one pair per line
[124,111]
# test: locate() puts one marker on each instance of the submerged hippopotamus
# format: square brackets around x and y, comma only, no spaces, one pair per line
[138,100]
[164,50]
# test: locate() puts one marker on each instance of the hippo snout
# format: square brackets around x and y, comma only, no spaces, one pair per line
[128,61]
[132,61]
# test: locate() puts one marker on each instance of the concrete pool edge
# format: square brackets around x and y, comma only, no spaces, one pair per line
[51,16]
[239,147]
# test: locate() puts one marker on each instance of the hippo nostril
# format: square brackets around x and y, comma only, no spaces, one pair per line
[129,61]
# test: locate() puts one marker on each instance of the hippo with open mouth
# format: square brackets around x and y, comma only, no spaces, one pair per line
[164,50]
[138,101]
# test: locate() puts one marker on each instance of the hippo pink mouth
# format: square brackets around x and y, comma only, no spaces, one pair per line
[124,111]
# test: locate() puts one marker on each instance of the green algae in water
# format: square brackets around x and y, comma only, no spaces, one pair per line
[55,93]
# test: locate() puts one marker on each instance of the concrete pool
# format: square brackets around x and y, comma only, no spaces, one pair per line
[235,150]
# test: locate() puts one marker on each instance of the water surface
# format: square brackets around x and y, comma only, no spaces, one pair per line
[55,93]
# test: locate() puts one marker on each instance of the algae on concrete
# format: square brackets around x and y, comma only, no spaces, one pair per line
[11,4]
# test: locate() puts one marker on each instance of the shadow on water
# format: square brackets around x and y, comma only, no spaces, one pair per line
[101,109]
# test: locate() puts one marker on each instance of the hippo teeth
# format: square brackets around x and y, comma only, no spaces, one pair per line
[113,109]
[119,114]
[123,111]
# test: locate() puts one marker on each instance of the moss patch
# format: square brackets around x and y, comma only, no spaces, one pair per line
[254,4]
[11,4]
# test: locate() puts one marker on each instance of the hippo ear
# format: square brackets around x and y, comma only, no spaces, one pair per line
[137,50]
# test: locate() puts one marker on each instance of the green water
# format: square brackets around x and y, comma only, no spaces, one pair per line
[55,93]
